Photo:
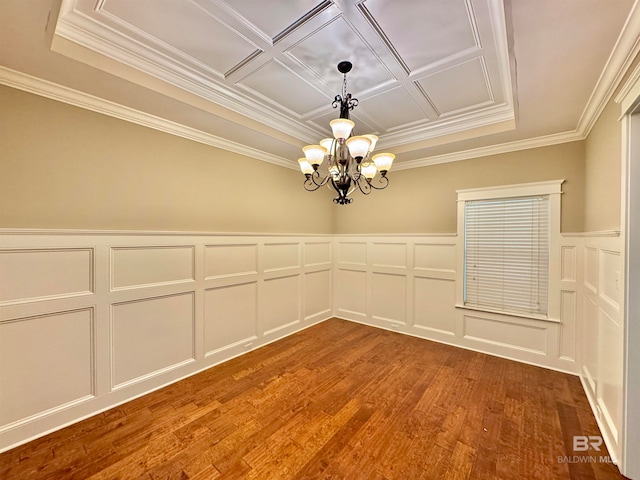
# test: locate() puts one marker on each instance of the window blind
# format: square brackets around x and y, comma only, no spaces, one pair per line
[506,250]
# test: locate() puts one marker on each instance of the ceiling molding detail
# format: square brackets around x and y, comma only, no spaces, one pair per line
[67,95]
[282,76]
[28,83]
[529,143]
[624,52]
[274,66]
[196,78]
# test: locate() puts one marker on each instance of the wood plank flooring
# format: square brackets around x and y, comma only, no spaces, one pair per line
[338,400]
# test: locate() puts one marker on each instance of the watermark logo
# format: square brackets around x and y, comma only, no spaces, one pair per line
[581,443]
[584,443]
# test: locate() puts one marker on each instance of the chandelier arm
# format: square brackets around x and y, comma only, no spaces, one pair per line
[310,183]
[322,182]
[363,186]
[384,184]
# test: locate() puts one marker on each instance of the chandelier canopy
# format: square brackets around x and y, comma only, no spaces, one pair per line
[349,158]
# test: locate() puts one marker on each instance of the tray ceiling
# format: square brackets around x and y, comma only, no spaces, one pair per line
[419,65]
[437,80]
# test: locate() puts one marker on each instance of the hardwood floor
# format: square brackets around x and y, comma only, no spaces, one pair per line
[336,401]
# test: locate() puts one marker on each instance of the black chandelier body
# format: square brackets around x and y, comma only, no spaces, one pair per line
[350,159]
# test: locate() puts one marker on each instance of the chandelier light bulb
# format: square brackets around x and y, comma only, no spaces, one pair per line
[341,127]
[368,170]
[383,161]
[314,154]
[305,166]
[327,143]
[358,147]
[373,139]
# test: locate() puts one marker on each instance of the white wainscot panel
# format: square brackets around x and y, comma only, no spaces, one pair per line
[29,275]
[611,372]
[568,266]
[515,336]
[610,277]
[568,334]
[230,260]
[317,293]
[590,341]
[389,297]
[151,336]
[351,292]
[141,266]
[46,362]
[433,304]
[230,315]
[435,257]
[591,268]
[389,255]
[317,253]
[352,252]
[279,303]
[279,256]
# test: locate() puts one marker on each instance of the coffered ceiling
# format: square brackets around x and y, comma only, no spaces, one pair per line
[433,77]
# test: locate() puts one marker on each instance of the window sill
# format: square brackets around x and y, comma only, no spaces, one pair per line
[530,316]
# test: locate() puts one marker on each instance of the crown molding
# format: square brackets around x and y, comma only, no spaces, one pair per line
[170,68]
[151,233]
[443,127]
[624,52]
[537,142]
[44,88]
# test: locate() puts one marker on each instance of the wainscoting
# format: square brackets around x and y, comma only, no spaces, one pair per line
[89,320]
[597,280]
[408,284]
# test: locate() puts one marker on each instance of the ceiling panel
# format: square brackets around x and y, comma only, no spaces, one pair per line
[186,28]
[337,41]
[467,79]
[274,16]
[425,31]
[277,83]
[393,108]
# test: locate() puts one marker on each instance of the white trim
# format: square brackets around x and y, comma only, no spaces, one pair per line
[553,188]
[42,231]
[517,190]
[44,88]
[624,52]
[601,233]
[534,316]
[526,144]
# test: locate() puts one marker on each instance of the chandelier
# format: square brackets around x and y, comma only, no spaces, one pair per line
[350,160]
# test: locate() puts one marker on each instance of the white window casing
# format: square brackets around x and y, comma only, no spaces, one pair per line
[508,249]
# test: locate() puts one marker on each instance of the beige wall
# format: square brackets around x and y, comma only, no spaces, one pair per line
[603,172]
[423,200]
[65,167]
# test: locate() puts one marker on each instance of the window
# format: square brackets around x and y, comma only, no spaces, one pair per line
[506,254]
[508,244]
